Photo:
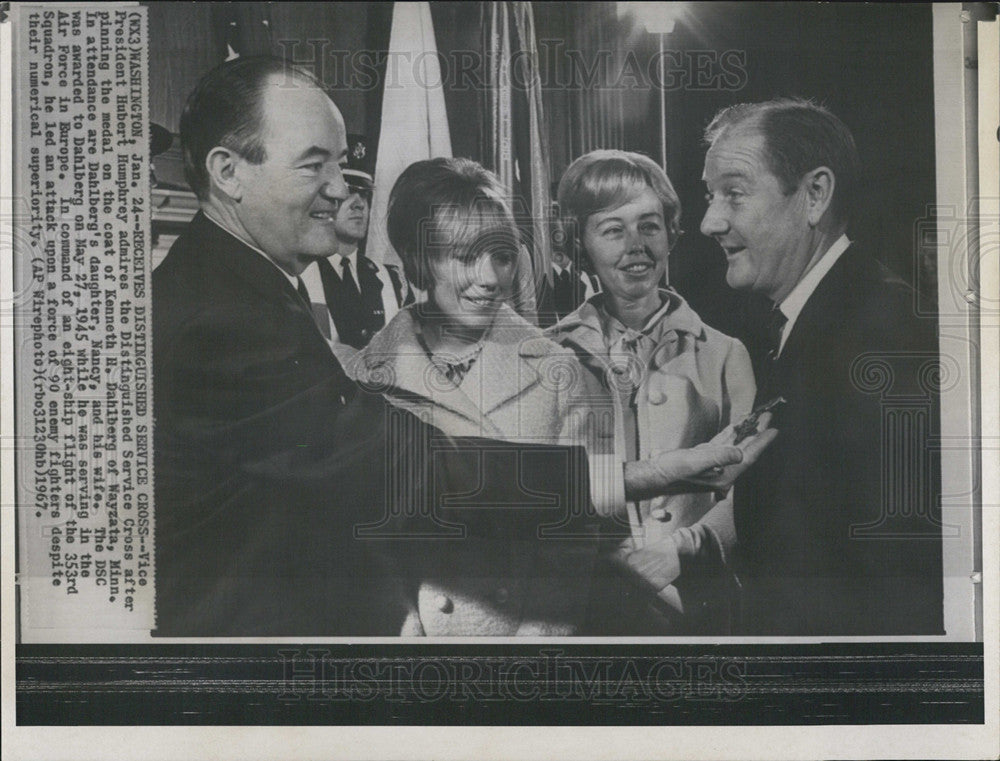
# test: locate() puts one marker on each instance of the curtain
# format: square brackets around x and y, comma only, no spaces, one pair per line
[589,95]
[323,38]
[182,48]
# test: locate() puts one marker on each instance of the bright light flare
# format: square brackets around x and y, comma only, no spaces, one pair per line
[657,18]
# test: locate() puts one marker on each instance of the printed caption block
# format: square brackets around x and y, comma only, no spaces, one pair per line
[82,320]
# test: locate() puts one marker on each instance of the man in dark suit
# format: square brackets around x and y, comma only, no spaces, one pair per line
[838,527]
[276,476]
[255,488]
[568,285]
[569,289]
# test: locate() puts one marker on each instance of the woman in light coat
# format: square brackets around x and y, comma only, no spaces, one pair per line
[468,364]
[674,382]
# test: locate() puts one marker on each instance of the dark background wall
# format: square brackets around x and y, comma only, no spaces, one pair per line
[187,39]
[869,63]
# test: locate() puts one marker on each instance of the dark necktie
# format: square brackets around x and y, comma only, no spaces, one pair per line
[775,326]
[303,292]
[344,302]
[563,293]
[347,277]
[318,311]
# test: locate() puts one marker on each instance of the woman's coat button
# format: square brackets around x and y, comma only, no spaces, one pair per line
[444,604]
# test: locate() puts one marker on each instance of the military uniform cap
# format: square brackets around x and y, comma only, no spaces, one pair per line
[360,169]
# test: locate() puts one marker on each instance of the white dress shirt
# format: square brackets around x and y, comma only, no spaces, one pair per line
[794,302]
[317,295]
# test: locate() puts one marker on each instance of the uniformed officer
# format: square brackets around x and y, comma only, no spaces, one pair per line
[570,286]
[360,294]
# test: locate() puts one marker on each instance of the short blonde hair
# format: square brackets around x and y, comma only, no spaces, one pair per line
[446,205]
[607,179]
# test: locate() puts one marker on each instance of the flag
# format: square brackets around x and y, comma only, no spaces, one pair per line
[242,29]
[414,120]
[516,144]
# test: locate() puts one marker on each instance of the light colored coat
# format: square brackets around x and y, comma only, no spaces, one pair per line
[697,382]
[519,389]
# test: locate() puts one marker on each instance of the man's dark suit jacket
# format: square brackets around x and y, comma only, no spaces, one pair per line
[567,292]
[838,524]
[267,456]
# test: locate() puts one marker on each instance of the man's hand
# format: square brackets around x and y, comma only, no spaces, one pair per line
[712,466]
[653,566]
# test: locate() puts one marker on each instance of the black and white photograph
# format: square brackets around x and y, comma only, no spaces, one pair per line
[500,379]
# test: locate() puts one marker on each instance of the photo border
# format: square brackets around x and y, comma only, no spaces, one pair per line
[904,682]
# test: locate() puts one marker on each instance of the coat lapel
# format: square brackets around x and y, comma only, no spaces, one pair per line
[508,365]
[581,332]
[828,299]
[244,263]
[396,363]
[256,271]
[679,328]
[506,369]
